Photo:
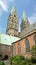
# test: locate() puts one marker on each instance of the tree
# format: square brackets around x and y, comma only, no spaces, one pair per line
[33,51]
[0,57]
[18,60]
[2,63]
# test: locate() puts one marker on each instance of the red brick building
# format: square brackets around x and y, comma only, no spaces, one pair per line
[21,46]
[5,50]
[24,45]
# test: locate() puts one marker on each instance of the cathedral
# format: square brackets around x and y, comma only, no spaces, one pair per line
[18,43]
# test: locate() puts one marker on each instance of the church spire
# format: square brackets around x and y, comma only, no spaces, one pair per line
[12,25]
[25,22]
[24,16]
[13,9]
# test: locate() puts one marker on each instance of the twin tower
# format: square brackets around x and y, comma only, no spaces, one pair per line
[12,24]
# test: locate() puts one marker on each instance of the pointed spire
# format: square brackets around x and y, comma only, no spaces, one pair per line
[13,9]
[24,16]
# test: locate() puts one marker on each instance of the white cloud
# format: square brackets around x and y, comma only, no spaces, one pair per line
[3,5]
[32,18]
[12,1]
[0,12]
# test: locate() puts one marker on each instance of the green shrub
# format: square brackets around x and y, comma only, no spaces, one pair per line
[2,63]
[33,60]
[17,60]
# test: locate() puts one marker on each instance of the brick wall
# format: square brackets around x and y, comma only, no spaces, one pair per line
[23,46]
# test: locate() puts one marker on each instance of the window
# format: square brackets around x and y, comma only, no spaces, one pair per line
[14,15]
[14,50]
[19,48]
[35,38]
[2,47]
[8,47]
[27,45]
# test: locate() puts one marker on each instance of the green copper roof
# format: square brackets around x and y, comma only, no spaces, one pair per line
[13,9]
[6,39]
[24,16]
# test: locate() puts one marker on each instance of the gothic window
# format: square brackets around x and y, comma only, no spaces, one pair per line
[19,48]
[14,15]
[14,50]
[35,38]
[27,45]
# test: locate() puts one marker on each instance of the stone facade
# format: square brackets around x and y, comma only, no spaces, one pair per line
[28,30]
[12,25]
[24,22]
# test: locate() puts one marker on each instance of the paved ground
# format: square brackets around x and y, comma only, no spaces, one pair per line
[7,62]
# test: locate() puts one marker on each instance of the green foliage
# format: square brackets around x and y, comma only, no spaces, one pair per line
[0,57]
[33,60]
[33,51]
[18,60]
[2,63]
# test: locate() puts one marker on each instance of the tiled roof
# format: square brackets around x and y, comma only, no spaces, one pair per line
[6,39]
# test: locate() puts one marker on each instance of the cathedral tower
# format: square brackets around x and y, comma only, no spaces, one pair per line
[12,25]
[25,23]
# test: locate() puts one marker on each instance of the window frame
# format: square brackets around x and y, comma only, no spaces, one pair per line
[19,48]
[27,44]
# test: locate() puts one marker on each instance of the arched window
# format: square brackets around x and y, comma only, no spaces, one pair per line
[14,50]
[27,45]
[19,48]
[35,38]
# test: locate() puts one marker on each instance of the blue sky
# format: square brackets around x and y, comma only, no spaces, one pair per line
[6,5]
